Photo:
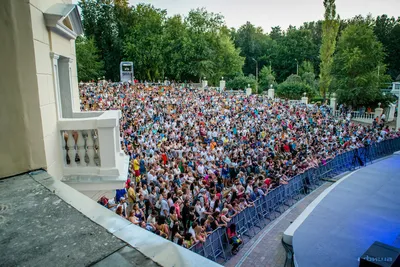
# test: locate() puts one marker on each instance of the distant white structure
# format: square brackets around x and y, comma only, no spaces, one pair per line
[126,71]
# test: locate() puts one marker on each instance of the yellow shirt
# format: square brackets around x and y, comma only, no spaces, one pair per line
[135,165]
[131,195]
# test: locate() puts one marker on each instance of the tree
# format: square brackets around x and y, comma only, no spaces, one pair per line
[294,88]
[175,39]
[295,45]
[90,67]
[241,82]
[267,78]
[358,66]
[143,44]
[100,22]
[306,66]
[330,28]
[387,30]
[254,45]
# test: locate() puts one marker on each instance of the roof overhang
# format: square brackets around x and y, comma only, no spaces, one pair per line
[65,20]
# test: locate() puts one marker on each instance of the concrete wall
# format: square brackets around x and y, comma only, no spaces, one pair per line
[45,42]
[29,137]
[21,135]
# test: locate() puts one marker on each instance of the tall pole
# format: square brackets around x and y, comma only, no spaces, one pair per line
[257,77]
[256,73]
[398,110]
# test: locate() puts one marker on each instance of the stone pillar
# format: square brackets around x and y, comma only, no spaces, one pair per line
[204,83]
[248,90]
[392,109]
[398,115]
[304,99]
[333,103]
[222,85]
[379,111]
[271,93]
[166,81]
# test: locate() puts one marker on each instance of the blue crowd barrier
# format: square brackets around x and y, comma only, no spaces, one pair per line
[275,201]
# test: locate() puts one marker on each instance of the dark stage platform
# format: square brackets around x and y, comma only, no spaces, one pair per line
[362,208]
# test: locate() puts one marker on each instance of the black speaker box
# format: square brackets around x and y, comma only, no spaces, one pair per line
[380,255]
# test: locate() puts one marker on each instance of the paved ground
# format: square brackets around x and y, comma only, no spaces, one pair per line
[265,249]
[37,228]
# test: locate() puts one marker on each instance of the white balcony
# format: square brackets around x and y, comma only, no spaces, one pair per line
[92,155]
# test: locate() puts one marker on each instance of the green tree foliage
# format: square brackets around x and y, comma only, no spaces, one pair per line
[90,67]
[356,63]
[190,46]
[330,28]
[160,46]
[101,23]
[387,30]
[266,78]
[241,82]
[254,45]
[210,51]
[143,43]
[296,44]
[294,88]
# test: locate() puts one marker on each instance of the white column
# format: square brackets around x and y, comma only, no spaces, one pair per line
[271,93]
[248,90]
[398,115]
[333,103]
[204,84]
[70,60]
[379,111]
[222,85]
[56,82]
[107,150]
[304,99]
[392,109]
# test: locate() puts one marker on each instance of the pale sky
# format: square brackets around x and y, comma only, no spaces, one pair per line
[269,13]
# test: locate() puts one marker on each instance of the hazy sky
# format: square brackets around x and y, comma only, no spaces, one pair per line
[269,13]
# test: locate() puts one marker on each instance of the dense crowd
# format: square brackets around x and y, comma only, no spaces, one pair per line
[200,157]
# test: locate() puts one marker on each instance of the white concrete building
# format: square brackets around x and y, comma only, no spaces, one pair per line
[41,125]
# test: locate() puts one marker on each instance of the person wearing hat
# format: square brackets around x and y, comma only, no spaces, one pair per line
[123,205]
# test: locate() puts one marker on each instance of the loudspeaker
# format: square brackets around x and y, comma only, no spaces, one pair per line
[380,255]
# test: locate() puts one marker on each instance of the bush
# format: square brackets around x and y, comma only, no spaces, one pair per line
[294,90]
[241,82]
[317,99]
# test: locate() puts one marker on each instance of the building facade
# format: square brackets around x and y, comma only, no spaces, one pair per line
[41,123]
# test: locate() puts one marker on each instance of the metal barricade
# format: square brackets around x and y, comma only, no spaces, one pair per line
[213,248]
[198,248]
[253,221]
[273,203]
[265,209]
[241,225]
[255,217]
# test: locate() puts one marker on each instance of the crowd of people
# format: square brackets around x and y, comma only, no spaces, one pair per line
[200,157]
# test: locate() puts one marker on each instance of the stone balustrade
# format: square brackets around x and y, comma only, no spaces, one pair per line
[90,144]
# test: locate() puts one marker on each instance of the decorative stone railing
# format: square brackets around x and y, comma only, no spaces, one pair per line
[91,144]
[366,117]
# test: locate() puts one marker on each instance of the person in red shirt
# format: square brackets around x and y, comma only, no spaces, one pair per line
[164,158]
[233,238]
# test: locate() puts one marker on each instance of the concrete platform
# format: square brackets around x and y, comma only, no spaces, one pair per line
[37,228]
[361,209]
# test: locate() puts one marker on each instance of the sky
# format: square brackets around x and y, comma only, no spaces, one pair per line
[270,13]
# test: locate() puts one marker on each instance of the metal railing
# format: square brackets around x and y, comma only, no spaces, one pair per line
[267,208]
